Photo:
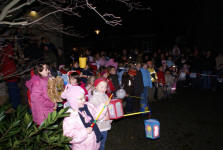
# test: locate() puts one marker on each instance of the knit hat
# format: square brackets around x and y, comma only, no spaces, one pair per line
[97,81]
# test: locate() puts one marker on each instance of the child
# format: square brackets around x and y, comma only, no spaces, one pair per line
[147,82]
[128,83]
[40,102]
[114,78]
[170,80]
[99,98]
[161,83]
[153,76]
[78,124]
[90,86]
[111,88]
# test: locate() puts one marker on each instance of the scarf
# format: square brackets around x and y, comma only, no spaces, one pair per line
[96,130]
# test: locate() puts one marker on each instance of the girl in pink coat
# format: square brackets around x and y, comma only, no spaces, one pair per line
[41,105]
[82,114]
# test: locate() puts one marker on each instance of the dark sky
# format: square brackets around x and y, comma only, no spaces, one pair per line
[198,21]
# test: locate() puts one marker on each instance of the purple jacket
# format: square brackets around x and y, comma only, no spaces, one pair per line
[40,102]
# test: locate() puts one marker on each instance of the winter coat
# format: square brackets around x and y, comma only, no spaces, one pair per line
[161,77]
[138,82]
[40,102]
[114,80]
[128,84]
[97,99]
[74,128]
[8,65]
[169,79]
[120,72]
[147,82]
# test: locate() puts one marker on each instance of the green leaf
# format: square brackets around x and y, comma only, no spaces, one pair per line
[16,123]
[27,119]
[54,115]
[2,116]
[29,124]
[67,147]
[53,127]
[12,133]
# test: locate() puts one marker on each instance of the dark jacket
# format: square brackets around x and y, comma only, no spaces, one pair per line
[114,79]
[138,83]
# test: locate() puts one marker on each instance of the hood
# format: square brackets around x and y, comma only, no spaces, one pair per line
[31,81]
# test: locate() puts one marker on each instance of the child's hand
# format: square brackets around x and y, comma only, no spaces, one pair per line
[55,106]
[89,130]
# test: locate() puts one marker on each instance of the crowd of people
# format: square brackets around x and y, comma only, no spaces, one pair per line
[146,77]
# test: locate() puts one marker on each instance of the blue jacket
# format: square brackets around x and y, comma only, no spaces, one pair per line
[147,82]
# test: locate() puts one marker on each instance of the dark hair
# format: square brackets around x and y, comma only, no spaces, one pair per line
[39,68]
[75,75]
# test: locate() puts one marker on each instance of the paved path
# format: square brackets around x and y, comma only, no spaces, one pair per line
[189,121]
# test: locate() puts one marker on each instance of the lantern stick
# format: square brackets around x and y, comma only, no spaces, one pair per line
[92,125]
[131,114]
[135,97]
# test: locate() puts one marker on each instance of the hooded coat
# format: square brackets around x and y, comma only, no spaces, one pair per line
[40,102]
[73,126]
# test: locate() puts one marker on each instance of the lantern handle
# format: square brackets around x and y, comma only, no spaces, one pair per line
[106,104]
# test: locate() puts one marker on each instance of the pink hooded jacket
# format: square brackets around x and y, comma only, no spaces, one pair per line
[40,102]
[73,126]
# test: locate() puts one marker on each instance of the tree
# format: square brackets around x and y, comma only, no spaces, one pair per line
[18,131]
[21,13]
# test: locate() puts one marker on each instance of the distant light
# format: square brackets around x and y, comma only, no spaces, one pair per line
[33,13]
[130,57]
[74,49]
[97,31]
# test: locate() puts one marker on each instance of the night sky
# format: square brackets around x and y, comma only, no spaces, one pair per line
[198,22]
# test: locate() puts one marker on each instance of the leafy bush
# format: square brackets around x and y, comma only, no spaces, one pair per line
[19,132]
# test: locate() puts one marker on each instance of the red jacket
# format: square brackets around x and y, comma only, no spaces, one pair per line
[8,64]
[161,77]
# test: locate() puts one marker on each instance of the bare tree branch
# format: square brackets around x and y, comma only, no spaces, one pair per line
[108,18]
[7,8]
[28,2]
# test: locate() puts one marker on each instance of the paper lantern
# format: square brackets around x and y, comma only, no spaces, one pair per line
[120,93]
[152,128]
[115,109]
[82,62]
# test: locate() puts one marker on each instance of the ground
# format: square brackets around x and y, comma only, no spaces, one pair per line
[189,121]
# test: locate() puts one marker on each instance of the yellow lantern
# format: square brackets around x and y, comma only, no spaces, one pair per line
[82,62]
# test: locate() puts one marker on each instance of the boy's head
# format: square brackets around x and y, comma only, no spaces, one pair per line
[150,64]
[112,70]
[74,78]
[160,68]
[144,65]
[100,85]
[105,74]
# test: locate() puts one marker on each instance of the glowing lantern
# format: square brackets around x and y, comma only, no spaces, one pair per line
[82,62]
[97,31]
[115,109]
[33,13]
[152,128]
